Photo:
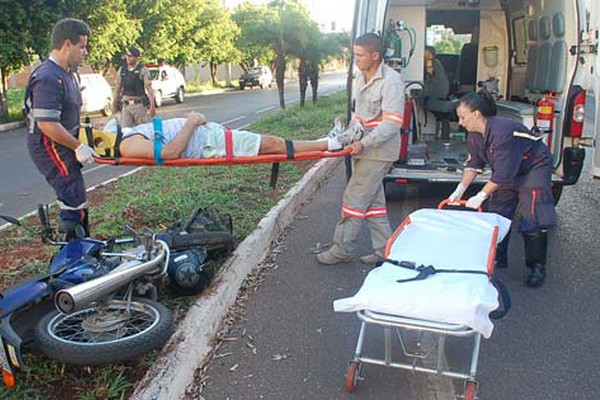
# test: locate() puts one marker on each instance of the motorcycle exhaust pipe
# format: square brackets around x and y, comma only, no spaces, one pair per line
[79,296]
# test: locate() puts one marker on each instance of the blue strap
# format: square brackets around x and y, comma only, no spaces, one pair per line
[159,138]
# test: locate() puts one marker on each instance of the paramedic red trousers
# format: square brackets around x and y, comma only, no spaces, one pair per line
[62,171]
[364,200]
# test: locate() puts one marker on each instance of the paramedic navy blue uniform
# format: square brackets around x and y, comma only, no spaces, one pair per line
[53,94]
[521,164]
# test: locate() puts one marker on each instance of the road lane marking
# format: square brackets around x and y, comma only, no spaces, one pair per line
[242,127]
[264,110]
[233,120]
[96,168]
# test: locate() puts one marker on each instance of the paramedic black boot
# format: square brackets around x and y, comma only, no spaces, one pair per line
[501,260]
[536,245]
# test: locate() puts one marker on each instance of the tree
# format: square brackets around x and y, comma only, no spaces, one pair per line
[215,37]
[167,26]
[251,21]
[331,45]
[114,28]
[24,32]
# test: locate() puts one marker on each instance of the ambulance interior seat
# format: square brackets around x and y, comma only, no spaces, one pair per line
[546,63]
[467,67]
[435,96]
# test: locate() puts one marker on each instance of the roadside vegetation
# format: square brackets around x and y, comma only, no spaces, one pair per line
[182,33]
[157,198]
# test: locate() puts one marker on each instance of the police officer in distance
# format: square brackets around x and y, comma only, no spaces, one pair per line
[133,94]
[521,165]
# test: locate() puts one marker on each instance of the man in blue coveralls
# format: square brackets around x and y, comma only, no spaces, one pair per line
[53,106]
[521,165]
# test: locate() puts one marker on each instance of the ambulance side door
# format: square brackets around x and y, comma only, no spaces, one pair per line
[591,124]
[370,16]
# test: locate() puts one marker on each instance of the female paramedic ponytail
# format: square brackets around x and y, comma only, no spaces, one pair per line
[480,101]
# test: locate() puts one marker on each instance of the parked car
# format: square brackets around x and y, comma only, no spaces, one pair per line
[167,82]
[96,94]
[256,76]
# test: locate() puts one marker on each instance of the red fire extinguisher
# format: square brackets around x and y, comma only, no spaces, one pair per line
[545,116]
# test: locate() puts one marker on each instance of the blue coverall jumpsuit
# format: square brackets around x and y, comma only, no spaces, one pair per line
[521,164]
[53,94]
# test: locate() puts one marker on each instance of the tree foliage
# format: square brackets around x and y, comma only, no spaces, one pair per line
[182,32]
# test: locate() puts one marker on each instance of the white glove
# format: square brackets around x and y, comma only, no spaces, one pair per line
[457,194]
[85,154]
[476,201]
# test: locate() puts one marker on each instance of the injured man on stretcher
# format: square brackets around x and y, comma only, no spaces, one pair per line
[195,137]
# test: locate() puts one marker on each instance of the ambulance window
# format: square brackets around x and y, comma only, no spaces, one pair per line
[445,40]
[519,27]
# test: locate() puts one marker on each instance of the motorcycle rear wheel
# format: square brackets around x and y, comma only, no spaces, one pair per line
[95,337]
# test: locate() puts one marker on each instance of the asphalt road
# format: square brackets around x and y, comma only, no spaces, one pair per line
[22,187]
[287,343]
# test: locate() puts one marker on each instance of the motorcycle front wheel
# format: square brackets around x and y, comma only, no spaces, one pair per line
[114,332]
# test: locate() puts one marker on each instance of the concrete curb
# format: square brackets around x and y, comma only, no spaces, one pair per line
[170,375]
[11,125]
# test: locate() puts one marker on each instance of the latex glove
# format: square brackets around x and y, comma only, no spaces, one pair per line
[476,201]
[85,154]
[458,193]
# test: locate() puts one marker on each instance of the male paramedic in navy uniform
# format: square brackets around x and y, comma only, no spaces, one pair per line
[53,106]
[379,106]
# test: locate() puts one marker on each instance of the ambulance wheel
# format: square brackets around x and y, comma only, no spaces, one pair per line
[352,376]
[556,193]
[470,390]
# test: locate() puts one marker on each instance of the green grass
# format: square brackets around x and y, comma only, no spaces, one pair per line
[15,105]
[198,87]
[157,198]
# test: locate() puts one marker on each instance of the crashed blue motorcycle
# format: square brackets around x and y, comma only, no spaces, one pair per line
[98,304]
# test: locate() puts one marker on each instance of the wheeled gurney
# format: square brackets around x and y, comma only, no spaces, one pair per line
[436,280]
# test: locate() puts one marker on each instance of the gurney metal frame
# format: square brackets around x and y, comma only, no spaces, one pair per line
[440,329]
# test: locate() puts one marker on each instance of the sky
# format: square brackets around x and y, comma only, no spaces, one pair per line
[326,12]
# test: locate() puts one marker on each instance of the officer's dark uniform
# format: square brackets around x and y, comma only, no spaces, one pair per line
[133,82]
[521,164]
[53,94]
[134,100]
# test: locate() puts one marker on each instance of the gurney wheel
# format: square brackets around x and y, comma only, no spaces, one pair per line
[352,376]
[470,390]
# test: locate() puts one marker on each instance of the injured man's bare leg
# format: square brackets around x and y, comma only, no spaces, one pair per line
[275,145]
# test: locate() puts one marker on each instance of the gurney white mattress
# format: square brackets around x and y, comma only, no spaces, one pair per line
[445,239]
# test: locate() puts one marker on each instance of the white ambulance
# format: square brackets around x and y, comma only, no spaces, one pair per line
[538,58]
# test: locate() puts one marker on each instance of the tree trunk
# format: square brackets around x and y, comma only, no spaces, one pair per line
[314,81]
[3,96]
[279,77]
[303,72]
[213,73]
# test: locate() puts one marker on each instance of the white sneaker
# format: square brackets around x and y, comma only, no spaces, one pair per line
[338,127]
[352,133]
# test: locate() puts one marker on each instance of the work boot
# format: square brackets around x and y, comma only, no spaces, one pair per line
[333,256]
[371,259]
[536,246]
[501,261]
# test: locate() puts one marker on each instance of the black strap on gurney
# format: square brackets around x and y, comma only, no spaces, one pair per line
[426,271]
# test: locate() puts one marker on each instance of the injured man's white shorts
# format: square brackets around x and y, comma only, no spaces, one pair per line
[245,144]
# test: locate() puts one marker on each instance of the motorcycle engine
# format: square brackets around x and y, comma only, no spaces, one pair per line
[186,271]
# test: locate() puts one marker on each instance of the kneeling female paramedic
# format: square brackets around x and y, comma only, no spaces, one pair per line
[521,166]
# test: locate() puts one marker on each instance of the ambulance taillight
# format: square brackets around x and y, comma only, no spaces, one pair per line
[578,115]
